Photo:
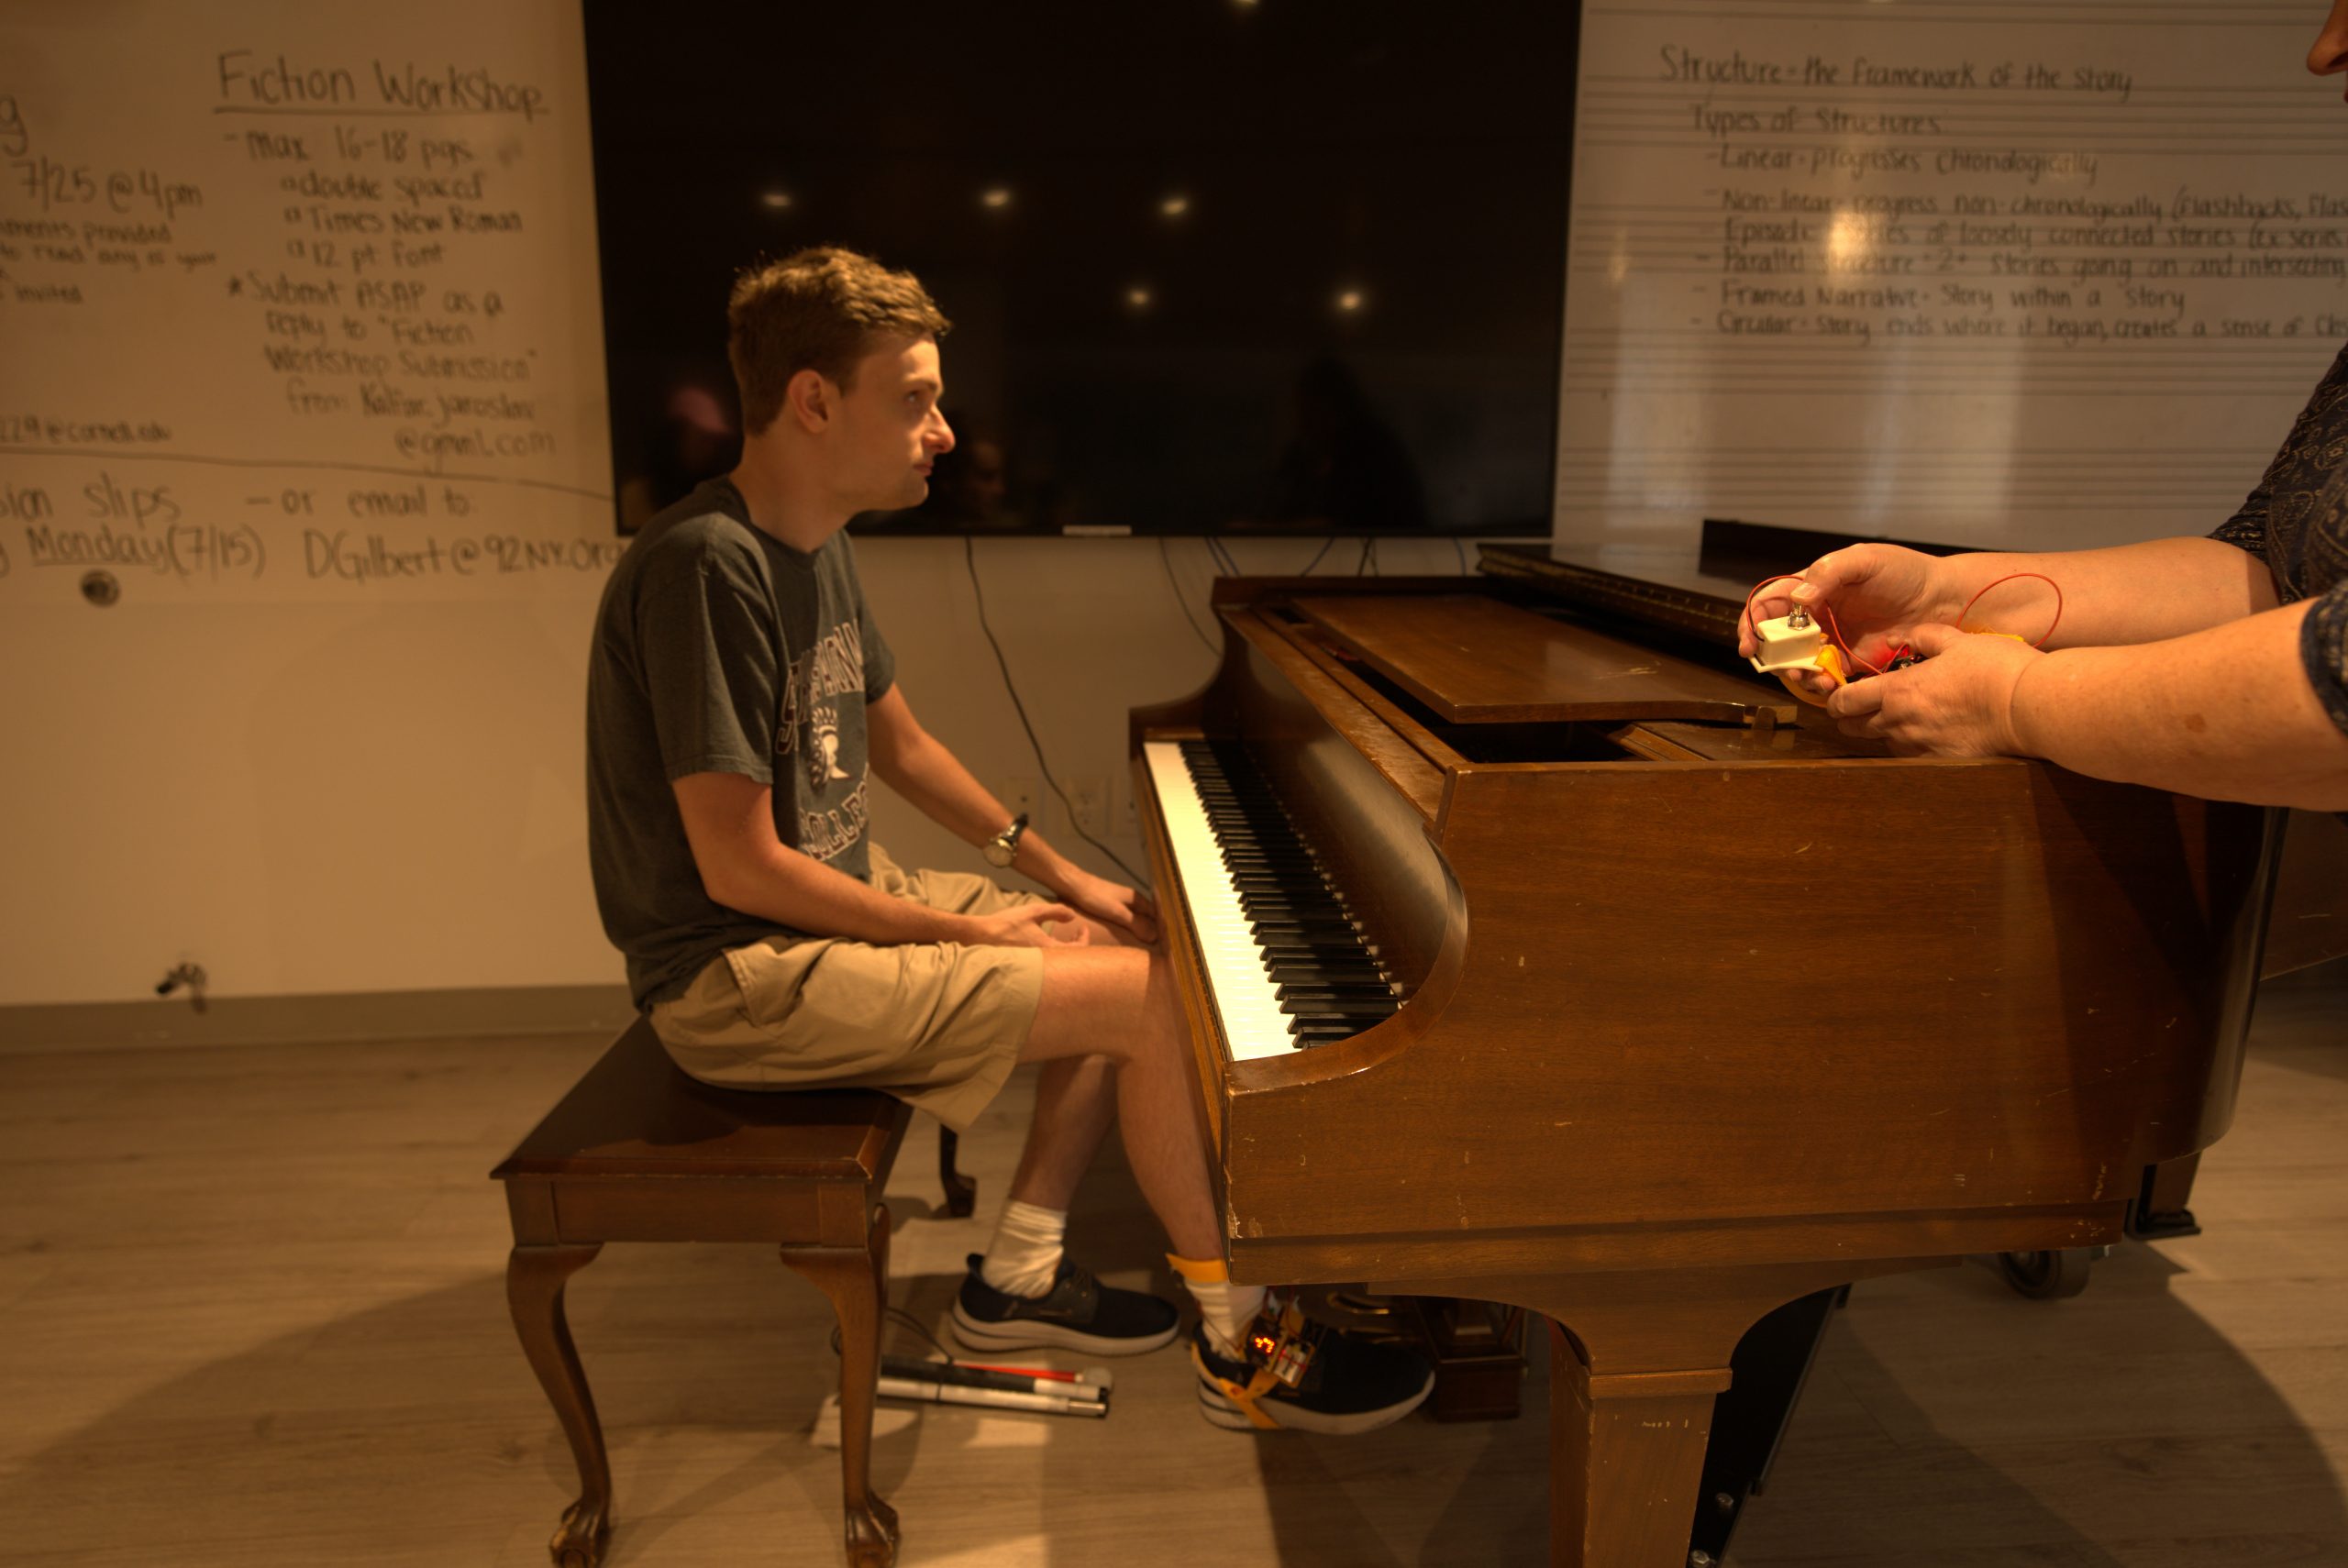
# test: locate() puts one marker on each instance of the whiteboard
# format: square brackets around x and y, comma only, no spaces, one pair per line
[2003,272]
[298,301]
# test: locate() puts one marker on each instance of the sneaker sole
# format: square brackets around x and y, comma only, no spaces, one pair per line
[1025,1333]
[1221,1412]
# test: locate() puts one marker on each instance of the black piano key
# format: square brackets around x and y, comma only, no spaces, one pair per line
[1306,990]
[1287,971]
[1335,1008]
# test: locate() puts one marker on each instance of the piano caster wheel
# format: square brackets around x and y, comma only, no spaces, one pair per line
[2050,1277]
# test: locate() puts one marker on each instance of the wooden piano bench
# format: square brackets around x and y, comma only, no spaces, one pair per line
[638,1152]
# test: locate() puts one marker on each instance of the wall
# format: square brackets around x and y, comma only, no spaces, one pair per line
[316,799]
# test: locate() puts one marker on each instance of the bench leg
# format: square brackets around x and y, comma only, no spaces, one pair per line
[535,1278]
[961,1191]
[857,1284]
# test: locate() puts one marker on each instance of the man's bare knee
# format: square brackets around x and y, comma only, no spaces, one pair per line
[1097,1002]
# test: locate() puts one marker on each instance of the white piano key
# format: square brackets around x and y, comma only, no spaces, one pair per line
[1237,983]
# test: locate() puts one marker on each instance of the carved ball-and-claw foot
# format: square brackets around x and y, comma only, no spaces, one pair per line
[872,1535]
[580,1540]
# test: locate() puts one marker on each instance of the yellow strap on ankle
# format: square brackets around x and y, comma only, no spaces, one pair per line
[1202,1271]
[1246,1398]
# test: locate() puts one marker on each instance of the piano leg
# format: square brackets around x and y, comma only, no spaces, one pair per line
[1639,1357]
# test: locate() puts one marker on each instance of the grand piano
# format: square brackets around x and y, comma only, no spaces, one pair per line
[1537,953]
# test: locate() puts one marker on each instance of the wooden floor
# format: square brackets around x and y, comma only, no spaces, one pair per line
[251,1313]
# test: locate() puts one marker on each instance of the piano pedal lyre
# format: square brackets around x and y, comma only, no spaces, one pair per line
[1478,1347]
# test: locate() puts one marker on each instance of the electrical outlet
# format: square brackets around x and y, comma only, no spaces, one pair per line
[1018,794]
[1088,801]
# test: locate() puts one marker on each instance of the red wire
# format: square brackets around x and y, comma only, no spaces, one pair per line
[1841,644]
[2010,577]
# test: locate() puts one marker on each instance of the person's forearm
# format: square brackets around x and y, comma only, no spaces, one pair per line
[2125,594]
[934,779]
[2227,714]
[792,889]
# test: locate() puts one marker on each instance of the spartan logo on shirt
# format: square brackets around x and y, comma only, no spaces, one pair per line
[835,664]
[822,758]
[808,729]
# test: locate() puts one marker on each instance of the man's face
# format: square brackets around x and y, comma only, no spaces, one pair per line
[890,430]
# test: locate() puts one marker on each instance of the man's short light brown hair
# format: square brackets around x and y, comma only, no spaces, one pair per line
[816,310]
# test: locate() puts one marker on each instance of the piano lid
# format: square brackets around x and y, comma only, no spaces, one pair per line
[1476,661]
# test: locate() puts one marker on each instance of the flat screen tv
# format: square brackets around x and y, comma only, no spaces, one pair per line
[1213,266]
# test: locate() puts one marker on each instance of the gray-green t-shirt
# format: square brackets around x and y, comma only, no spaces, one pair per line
[720,649]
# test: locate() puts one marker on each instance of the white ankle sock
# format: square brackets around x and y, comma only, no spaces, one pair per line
[1024,1256]
[1226,1309]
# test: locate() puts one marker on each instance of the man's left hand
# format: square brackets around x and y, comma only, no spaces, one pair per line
[1121,909]
[1958,703]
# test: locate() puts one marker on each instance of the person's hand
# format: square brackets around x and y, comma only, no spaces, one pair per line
[1117,907]
[1880,595]
[1031,926]
[1958,703]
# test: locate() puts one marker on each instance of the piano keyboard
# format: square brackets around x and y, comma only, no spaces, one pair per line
[1286,967]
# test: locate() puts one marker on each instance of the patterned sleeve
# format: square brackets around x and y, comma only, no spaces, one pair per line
[2323,643]
[2309,455]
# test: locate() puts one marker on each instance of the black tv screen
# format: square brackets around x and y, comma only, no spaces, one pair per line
[1285,265]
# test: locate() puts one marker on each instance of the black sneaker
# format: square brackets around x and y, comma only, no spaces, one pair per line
[1078,1313]
[1302,1377]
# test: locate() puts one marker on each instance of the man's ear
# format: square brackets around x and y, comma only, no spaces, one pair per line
[811,399]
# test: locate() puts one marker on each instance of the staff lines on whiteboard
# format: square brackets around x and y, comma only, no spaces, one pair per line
[2059,471]
[1902,93]
[2307,344]
[2257,142]
[2214,497]
[2293,16]
[1826,355]
[1981,471]
[1967,453]
[1597,252]
[1967,459]
[2088,389]
[1722,9]
[112,455]
[2305,347]
[2142,501]
[1818,359]
[1819,373]
[1873,280]
[2261,119]
[1670,122]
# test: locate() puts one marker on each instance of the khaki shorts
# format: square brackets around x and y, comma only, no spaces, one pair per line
[937,1024]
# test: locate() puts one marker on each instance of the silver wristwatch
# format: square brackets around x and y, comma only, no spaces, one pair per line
[1003,847]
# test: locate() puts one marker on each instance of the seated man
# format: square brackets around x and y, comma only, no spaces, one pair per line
[737,692]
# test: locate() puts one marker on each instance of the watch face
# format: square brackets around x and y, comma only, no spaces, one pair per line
[999,853]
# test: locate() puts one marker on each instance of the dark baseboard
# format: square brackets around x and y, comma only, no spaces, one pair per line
[347,1016]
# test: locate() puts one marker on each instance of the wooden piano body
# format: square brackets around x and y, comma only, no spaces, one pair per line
[1708,1010]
